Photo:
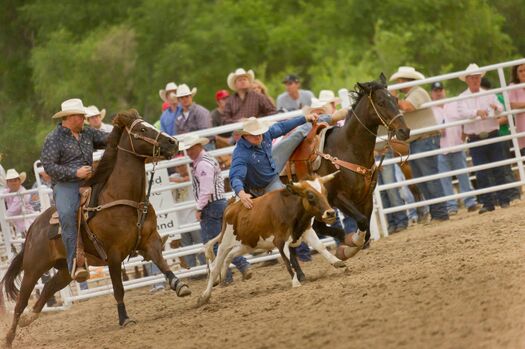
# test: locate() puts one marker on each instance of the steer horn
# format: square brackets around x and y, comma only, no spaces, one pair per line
[329,177]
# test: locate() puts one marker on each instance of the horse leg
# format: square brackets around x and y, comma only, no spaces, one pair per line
[28,284]
[154,252]
[349,208]
[284,250]
[60,280]
[312,239]
[115,271]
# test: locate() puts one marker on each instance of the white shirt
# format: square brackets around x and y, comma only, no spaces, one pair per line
[468,108]
[450,136]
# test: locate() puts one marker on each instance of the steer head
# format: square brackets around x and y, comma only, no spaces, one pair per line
[313,193]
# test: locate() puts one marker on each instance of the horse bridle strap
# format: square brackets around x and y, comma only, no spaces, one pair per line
[152,141]
[338,163]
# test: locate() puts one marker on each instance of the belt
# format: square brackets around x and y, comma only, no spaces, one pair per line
[483,135]
[426,135]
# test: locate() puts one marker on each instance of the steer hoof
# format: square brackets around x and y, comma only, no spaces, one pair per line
[339,264]
[127,322]
[202,300]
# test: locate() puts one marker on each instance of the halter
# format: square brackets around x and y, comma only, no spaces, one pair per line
[154,142]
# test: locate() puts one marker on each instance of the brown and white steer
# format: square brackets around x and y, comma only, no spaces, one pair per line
[278,219]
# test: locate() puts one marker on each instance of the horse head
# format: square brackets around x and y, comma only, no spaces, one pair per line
[383,107]
[142,139]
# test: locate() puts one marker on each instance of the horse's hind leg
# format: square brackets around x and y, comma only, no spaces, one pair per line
[60,280]
[28,284]
[115,271]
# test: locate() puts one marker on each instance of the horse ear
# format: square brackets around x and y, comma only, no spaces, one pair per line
[382,78]
[363,87]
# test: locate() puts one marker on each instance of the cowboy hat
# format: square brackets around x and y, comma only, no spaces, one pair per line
[170,86]
[316,104]
[191,140]
[253,126]
[12,174]
[238,73]
[328,96]
[471,70]
[184,90]
[93,111]
[72,106]
[407,73]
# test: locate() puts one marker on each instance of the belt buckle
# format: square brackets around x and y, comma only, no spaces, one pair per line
[483,135]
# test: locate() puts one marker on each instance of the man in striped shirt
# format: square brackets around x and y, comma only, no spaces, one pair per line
[208,190]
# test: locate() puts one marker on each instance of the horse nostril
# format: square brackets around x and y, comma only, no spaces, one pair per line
[330,213]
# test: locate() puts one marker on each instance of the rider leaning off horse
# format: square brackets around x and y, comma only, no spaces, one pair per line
[67,156]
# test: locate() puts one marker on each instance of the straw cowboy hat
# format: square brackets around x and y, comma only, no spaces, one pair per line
[184,90]
[72,106]
[316,104]
[407,73]
[328,96]
[191,140]
[253,126]
[238,73]
[12,174]
[170,86]
[471,70]
[93,111]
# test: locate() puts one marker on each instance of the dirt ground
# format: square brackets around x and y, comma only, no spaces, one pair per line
[458,284]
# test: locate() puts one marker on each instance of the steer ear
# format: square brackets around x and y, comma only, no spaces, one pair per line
[329,177]
[294,188]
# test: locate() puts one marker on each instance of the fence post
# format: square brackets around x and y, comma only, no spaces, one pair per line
[382,217]
[6,229]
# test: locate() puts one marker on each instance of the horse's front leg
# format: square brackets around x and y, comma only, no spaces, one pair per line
[349,208]
[115,271]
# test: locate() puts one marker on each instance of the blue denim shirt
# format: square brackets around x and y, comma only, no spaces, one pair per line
[167,120]
[62,154]
[252,166]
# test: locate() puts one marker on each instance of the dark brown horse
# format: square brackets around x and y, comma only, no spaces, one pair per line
[121,176]
[354,143]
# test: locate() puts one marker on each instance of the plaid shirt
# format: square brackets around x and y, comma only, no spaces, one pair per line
[62,154]
[254,104]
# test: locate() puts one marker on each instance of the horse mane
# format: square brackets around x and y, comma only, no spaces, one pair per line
[362,89]
[107,163]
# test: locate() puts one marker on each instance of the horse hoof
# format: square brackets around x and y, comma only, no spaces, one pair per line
[128,322]
[183,290]
[301,277]
[27,319]
[339,264]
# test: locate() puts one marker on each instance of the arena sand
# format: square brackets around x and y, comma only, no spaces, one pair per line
[458,284]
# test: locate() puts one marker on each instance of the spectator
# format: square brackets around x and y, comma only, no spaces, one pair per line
[94,119]
[259,87]
[45,180]
[217,114]
[208,191]
[415,97]
[20,204]
[517,101]
[170,114]
[294,98]
[194,116]
[487,126]
[245,102]
[450,137]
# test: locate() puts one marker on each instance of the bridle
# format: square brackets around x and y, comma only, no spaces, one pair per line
[133,135]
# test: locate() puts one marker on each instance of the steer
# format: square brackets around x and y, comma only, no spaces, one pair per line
[278,219]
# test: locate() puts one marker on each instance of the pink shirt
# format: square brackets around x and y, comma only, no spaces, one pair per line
[516,96]
[208,183]
[450,136]
[19,205]
[468,108]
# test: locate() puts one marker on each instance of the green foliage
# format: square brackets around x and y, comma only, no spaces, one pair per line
[118,54]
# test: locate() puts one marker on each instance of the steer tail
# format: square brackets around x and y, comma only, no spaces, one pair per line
[15,268]
[208,248]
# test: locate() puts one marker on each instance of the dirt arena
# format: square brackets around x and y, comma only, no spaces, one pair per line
[458,284]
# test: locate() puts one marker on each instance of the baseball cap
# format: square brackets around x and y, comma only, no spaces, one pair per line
[290,78]
[221,94]
[438,85]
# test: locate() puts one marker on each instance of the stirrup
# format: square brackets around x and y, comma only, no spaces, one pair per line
[79,274]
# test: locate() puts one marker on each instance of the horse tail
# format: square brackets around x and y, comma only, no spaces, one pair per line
[15,268]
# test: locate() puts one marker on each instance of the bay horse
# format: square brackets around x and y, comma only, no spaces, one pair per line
[120,176]
[354,142]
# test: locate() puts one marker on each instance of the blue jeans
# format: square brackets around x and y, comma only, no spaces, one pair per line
[429,166]
[392,197]
[67,201]
[211,225]
[154,270]
[483,155]
[455,161]
[188,239]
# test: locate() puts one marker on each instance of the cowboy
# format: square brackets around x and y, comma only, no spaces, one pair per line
[208,191]
[245,102]
[67,156]
[20,204]
[485,110]
[193,117]
[170,114]
[294,98]
[418,117]
[94,119]
[217,114]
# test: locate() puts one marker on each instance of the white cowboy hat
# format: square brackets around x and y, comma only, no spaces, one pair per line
[72,106]
[191,140]
[471,70]
[12,174]
[170,86]
[328,96]
[93,111]
[407,73]
[238,73]
[316,104]
[253,126]
[184,90]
